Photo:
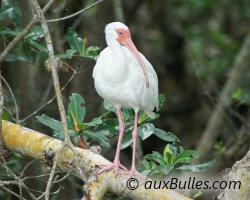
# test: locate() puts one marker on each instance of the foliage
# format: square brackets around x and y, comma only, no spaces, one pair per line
[100,128]
[33,43]
[219,148]
[242,96]
[145,127]
[78,47]
[103,127]
[75,121]
[174,158]
[14,163]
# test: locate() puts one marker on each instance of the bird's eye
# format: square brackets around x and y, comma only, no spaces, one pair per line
[120,33]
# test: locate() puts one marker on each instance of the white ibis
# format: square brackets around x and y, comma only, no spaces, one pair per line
[124,77]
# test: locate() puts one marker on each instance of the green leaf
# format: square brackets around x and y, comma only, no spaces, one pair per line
[197,168]
[186,156]
[94,122]
[111,126]
[75,42]
[58,135]
[14,57]
[145,164]
[127,140]
[69,54]
[8,32]
[5,116]
[92,50]
[29,54]
[128,113]
[167,136]
[76,107]
[50,122]
[102,139]
[39,46]
[166,169]
[20,53]
[109,106]
[73,133]
[156,157]
[146,172]
[168,155]
[146,130]
[11,10]
[161,100]
[35,33]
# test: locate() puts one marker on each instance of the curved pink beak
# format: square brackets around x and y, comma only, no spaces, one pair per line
[126,40]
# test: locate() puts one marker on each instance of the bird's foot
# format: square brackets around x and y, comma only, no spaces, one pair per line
[115,166]
[132,172]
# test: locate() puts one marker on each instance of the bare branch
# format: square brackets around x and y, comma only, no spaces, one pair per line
[13,97]
[47,192]
[74,14]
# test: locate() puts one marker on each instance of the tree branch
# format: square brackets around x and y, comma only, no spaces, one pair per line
[225,100]
[239,171]
[33,21]
[74,14]
[44,148]
[53,66]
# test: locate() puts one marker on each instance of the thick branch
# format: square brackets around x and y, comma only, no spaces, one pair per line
[225,100]
[239,171]
[42,147]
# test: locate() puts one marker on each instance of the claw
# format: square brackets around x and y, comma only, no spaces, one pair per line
[115,166]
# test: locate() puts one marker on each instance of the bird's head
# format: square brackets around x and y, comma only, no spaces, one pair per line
[119,32]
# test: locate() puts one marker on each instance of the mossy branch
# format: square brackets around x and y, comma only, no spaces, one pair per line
[42,147]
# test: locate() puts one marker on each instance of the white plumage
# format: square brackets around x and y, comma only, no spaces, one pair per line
[120,80]
[124,77]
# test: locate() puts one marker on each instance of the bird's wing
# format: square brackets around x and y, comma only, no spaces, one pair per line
[150,100]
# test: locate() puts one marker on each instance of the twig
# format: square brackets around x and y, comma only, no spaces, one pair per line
[52,99]
[9,113]
[18,38]
[48,186]
[74,14]
[13,97]
[53,64]
[61,179]
[15,194]
[26,167]
[49,101]
[19,182]
[33,21]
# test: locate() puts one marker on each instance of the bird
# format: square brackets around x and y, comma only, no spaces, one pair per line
[124,77]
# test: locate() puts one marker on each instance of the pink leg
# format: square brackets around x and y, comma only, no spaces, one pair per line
[116,164]
[134,136]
